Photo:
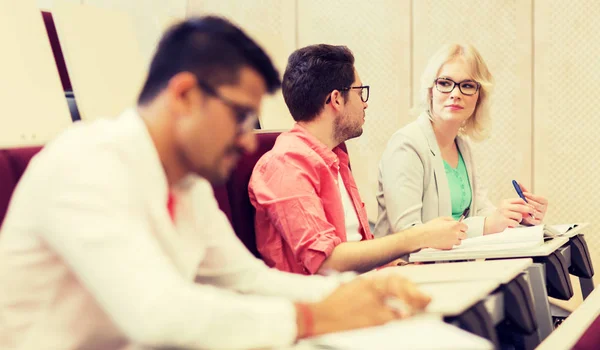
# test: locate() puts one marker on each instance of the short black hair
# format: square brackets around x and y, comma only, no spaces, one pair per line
[312,73]
[211,48]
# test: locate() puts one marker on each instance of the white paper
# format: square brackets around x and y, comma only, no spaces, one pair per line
[563,228]
[419,333]
[509,239]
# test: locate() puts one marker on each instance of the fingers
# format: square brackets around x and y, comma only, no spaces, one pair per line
[407,291]
[523,188]
[513,223]
[514,214]
[518,208]
[531,221]
[516,200]
[535,198]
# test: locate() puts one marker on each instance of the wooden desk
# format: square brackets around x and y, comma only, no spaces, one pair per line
[454,298]
[502,271]
[536,271]
[412,333]
[544,249]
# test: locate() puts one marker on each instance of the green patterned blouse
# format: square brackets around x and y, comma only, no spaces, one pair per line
[460,189]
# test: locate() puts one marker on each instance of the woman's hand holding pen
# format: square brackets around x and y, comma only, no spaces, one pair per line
[539,205]
[510,213]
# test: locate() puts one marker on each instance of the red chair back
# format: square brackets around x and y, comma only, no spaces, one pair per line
[13,163]
[233,197]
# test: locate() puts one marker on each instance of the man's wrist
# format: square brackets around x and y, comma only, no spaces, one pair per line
[415,238]
[304,320]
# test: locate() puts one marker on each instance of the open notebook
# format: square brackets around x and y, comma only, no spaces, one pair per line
[558,230]
[510,239]
[413,333]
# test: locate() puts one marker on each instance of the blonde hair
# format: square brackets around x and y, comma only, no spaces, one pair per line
[478,126]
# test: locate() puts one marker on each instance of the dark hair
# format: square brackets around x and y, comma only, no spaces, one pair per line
[211,48]
[312,73]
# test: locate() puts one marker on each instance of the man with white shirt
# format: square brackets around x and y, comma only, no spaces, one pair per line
[113,222]
[309,215]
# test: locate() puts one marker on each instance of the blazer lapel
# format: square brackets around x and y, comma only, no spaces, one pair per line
[439,173]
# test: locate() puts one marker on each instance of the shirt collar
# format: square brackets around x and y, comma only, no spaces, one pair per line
[331,157]
[145,153]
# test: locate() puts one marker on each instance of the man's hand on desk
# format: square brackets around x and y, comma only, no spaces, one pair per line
[362,302]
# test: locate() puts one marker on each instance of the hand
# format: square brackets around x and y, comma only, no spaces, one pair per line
[443,233]
[393,263]
[362,302]
[510,213]
[539,204]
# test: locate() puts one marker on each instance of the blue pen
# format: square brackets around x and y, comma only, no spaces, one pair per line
[520,193]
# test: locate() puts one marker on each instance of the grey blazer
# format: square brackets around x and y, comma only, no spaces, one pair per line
[413,187]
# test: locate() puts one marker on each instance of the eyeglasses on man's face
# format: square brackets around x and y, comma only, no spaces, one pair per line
[364,92]
[246,118]
[466,87]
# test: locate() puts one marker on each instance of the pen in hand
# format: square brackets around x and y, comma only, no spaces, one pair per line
[464,214]
[520,193]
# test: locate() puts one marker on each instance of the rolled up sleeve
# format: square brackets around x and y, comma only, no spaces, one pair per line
[287,190]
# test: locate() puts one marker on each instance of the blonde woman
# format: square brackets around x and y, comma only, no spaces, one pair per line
[427,169]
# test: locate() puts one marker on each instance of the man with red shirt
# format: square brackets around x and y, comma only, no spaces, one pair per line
[309,215]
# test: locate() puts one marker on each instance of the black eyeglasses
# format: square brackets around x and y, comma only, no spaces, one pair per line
[246,118]
[467,87]
[364,92]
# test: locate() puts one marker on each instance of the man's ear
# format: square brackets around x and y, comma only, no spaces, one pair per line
[337,100]
[182,91]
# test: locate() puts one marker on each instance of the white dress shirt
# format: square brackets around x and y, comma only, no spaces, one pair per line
[90,258]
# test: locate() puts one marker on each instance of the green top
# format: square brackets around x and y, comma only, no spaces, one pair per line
[460,188]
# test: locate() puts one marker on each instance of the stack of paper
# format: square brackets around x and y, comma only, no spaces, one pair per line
[419,332]
[510,239]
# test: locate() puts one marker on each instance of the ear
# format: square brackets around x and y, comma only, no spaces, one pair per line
[337,100]
[182,92]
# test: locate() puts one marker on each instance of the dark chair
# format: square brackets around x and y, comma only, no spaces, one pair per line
[234,194]
[13,163]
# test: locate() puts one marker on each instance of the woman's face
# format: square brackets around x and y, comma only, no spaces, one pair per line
[449,101]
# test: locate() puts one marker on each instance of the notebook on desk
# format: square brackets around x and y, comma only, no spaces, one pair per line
[510,239]
[552,231]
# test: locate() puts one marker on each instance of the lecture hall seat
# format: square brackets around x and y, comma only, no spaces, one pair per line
[233,197]
[13,163]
